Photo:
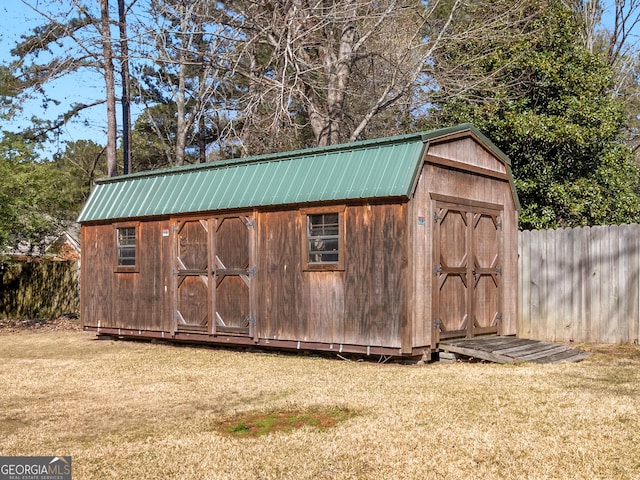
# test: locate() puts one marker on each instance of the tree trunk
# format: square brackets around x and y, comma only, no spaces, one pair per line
[338,73]
[181,133]
[112,165]
[202,138]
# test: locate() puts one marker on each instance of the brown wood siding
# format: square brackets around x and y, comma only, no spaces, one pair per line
[154,300]
[140,300]
[364,304]
[376,268]
[468,151]
[98,260]
[279,277]
[421,224]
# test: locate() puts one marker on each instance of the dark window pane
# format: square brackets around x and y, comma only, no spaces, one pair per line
[126,238]
[323,238]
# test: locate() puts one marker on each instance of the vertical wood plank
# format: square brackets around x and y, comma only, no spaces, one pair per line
[633,236]
[616,259]
[360,275]
[524,284]
[550,295]
[428,244]
[595,290]
[564,286]
[536,269]
[418,218]
[581,257]
[628,282]
[510,262]
[576,262]
[253,263]
[607,302]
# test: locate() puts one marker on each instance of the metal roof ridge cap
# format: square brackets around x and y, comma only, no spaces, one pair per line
[267,157]
[438,133]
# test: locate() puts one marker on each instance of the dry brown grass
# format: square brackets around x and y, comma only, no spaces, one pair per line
[129,410]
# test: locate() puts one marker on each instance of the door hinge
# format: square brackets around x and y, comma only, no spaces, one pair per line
[499,224]
[251,271]
[499,317]
[174,228]
[436,217]
[174,272]
[437,270]
[436,323]
[499,270]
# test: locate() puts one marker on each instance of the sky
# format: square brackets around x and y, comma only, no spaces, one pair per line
[16,19]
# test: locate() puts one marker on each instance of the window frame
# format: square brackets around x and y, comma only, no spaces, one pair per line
[135,268]
[305,237]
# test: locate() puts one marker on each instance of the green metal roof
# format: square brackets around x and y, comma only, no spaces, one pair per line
[380,168]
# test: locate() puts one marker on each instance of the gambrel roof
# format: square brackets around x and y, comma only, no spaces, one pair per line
[370,169]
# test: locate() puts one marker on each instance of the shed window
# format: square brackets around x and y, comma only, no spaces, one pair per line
[323,246]
[127,248]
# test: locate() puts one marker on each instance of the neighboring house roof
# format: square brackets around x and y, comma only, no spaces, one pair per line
[381,168]
[65,246]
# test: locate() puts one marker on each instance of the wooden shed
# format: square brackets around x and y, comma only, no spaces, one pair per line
[380,247]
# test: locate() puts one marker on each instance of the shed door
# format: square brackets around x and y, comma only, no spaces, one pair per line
[193,284]
[214,269]
[467,257]
[234,272]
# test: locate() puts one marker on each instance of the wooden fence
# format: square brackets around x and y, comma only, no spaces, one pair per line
[38,289]
[580,284]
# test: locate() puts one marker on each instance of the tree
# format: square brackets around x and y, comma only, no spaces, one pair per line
[126,87]
[186,70]
[300,60]
[154,138]
[34,196]
[35,199]
[550,108]
[109,78]
[618,42]
[66,43]
[82,162]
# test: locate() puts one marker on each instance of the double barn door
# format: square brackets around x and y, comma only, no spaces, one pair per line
[214,269]
[467,293]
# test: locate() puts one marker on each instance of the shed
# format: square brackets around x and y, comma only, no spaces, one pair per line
[379,247]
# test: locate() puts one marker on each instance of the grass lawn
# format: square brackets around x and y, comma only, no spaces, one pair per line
[132,410]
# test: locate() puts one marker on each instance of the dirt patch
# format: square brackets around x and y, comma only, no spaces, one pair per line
[66,322]
[255,425]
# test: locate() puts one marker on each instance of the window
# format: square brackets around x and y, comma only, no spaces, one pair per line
[324,240]
[126,248]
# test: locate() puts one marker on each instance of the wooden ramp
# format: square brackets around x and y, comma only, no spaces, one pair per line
[512,350]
